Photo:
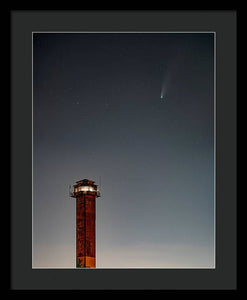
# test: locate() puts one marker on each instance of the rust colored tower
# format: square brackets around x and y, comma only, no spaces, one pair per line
[85,192]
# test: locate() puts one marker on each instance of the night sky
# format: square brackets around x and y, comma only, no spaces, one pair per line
[98,112]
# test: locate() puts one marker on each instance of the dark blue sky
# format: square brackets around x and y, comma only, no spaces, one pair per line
[97,112]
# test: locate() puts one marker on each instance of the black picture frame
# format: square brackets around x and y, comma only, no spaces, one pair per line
[23,277]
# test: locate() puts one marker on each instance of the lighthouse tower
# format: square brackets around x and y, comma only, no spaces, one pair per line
[85,192]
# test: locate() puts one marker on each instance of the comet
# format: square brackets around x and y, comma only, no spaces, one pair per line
[168,74]
[163,89]
[164,84]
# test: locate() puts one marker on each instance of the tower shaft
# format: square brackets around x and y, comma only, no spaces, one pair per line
[85,231]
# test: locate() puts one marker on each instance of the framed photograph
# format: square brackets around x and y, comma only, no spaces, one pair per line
[123,150]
